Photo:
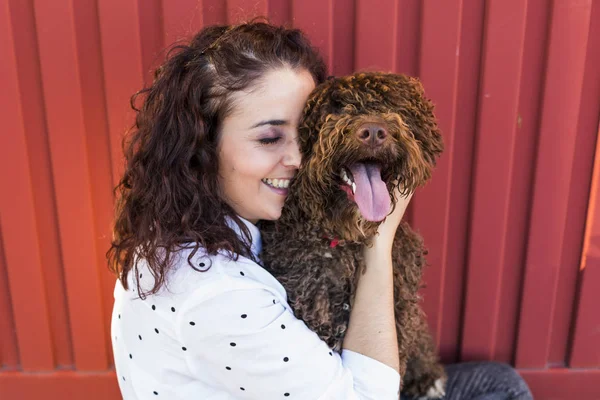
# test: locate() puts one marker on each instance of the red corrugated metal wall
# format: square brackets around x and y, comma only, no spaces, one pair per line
[509,217]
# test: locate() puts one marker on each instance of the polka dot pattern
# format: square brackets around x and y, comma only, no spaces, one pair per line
[248,318]
[232,344]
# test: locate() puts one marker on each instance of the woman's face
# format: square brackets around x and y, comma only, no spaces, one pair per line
[258,148]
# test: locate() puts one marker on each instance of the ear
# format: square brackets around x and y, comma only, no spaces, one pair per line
[408,97]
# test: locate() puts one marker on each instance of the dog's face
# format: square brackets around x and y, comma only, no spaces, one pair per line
[360,137]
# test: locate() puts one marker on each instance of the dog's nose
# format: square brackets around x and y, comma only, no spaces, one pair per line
[372,134]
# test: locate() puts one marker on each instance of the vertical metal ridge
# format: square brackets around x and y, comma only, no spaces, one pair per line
[9,353]
[42,181]
[493,175]
[22,256]
[529,103]
[309,16]
[242,11]
[61,72]
[97,144]
[469,56]
[123,70]
[553,174]
[439,73]
[152,37]
[214,12]
[177,21]
[407,22]
[279,12]
[582,348]
[567,290]
[342,27]
[373,46]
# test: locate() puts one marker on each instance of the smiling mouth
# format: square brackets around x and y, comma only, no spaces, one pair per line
[363,184]
[277,183]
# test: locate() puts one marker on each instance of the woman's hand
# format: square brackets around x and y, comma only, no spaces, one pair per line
[384,238]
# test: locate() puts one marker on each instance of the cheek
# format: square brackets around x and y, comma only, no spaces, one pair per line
[257,164]
[247,165]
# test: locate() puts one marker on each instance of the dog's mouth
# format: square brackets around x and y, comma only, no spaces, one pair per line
[362,181]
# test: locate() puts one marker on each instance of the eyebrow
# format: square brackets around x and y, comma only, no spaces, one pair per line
[275,122]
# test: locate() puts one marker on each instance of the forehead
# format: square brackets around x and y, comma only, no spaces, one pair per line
[280,92]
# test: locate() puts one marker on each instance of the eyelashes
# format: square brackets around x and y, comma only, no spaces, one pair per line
[274,136]
[268,141]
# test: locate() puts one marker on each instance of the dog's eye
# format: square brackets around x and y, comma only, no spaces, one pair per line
[266,141]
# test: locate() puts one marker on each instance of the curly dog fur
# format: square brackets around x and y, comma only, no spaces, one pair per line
[320,277]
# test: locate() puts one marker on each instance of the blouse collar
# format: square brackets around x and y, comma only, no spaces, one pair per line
[256,245]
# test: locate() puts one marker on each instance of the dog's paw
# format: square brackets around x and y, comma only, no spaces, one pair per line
[425,381]
[437,391]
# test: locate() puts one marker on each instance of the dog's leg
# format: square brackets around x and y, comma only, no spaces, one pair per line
[404,311]
[425,377]
[408,258]
[422,375]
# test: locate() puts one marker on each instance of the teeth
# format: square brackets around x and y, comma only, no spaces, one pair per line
[353,188]
[347,180]
[277,183]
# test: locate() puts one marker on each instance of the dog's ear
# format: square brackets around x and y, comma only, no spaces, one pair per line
[315,113]
[408,97]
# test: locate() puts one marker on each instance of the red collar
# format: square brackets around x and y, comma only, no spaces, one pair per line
[333,242]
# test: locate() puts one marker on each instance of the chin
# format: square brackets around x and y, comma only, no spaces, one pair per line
[273,215]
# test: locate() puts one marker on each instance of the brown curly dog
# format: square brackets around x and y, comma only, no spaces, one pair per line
[360,136]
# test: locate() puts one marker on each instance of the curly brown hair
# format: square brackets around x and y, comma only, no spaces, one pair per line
[328,143]
[168,197]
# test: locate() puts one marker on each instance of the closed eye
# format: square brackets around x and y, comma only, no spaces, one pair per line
[266,141]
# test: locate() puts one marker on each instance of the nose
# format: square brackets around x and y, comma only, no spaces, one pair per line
[292,156]
[372,134]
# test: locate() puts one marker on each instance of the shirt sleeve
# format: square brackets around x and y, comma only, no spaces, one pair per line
[255,348]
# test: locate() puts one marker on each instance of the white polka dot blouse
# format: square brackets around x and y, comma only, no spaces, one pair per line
[228,333]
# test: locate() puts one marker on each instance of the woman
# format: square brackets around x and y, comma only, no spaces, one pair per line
[195,315]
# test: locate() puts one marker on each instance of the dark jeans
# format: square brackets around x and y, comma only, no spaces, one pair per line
[484,381]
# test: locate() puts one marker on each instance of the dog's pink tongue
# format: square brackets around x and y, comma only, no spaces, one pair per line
[371,195]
